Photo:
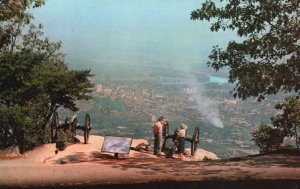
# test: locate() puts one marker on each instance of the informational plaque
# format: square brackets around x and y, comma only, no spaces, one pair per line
[117,145]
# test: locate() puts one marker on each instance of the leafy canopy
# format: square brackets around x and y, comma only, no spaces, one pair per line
[289,120]
[265,60]
[284,125]
[34,79]
[17,8]
[267,138]
[14,11]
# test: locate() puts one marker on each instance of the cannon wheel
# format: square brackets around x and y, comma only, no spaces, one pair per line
[87,128]
[165,134]
[166,129]
[73,128]
[54,126]
[195,141]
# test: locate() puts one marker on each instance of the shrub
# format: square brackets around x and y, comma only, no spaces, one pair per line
[267,138]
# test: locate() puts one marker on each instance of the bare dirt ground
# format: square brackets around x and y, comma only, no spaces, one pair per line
[84,166]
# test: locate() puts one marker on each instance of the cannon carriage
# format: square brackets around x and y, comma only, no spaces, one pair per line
[194,139]
[70,126]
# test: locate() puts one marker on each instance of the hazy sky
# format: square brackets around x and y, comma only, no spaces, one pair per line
[114,35]
[96,32]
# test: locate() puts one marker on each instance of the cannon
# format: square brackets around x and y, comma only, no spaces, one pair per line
[194,140]
[70,126]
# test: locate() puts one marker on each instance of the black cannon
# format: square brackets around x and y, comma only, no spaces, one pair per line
[70,126]
[194,140]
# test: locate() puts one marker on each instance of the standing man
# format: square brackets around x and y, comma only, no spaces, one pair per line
[181,140]
[157,131]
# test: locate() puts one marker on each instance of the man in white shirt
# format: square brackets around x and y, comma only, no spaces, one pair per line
[181,140]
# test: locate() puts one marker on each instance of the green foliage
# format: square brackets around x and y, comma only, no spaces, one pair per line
[109,104]
[284,124]
[14,11]
[289,119]
[266,61]
[18,127]
[267,138]
[34,80]
[16,8]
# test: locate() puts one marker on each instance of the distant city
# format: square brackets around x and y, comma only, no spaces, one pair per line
[143,55]
[129,107]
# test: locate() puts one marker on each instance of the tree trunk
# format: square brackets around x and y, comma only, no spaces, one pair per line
[296,135]
[20,139]
[5,140]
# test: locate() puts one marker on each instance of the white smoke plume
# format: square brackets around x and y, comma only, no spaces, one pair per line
[204,104]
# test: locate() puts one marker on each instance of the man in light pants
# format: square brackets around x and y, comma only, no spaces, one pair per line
[157,131]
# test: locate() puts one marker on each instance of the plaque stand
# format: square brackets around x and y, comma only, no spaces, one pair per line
[117,155]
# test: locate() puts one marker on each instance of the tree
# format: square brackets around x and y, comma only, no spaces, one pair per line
[265,60]
[285,124]
[289,119]
[34,79]
[17,8]
[267,138]
[14,10]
